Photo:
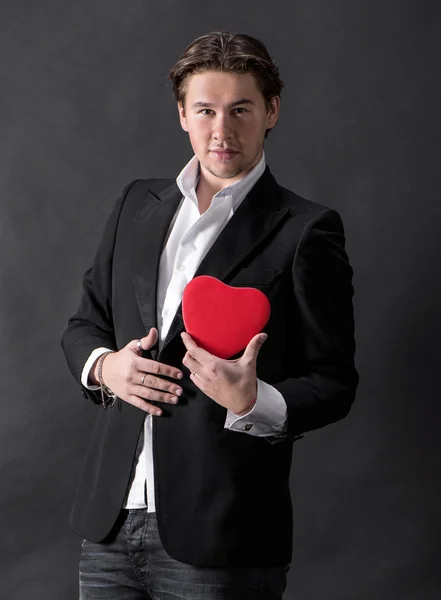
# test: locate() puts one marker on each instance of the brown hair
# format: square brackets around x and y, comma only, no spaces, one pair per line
[228,52]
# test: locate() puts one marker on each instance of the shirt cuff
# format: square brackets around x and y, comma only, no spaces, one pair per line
[267,417]
[87,367]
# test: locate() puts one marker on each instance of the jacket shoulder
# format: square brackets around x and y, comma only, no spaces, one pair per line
[141,187]
[141,191]
[301,206]
[307,214]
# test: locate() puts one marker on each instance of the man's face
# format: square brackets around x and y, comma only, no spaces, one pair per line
[226,117]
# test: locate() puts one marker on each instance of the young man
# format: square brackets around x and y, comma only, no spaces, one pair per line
[185,488]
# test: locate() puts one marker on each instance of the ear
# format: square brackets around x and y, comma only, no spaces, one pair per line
[182,117]
[273,112]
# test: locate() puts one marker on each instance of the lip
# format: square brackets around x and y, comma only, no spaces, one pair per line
[223,154]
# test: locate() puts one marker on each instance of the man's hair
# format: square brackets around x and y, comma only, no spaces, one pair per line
[227,52]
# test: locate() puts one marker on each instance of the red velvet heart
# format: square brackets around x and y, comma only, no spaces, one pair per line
[221,318]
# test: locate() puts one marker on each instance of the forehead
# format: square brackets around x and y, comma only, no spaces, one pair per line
[217,86]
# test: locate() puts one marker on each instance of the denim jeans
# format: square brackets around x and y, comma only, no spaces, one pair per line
[133,565]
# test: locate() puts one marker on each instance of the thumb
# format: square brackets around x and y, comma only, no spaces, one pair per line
[254,346]
[147,341]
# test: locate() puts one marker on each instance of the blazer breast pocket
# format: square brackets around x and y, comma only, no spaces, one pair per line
[251,277]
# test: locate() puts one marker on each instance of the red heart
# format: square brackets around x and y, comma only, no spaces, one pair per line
[221,318]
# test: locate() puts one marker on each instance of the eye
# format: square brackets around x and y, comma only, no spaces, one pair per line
[240,110]
[205,111]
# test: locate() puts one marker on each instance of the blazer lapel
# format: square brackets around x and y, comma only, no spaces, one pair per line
[150,229]
[257,216]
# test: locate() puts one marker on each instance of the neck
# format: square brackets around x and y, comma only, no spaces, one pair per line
[209,185]
[205,192]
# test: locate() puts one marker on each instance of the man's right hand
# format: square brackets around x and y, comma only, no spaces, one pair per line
[136,380]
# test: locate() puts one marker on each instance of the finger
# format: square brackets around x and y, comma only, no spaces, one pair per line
[194,365]
[197,381]
[147,365]
[147,393]
[143,405]
[146,380]
[145,342]
[253,347]
[196,352]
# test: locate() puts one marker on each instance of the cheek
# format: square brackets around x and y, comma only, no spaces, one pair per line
[257,131]
[251,128]
[198,133]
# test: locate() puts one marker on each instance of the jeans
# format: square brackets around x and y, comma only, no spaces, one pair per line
[131,564]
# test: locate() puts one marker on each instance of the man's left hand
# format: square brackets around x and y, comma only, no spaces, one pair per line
[230,383]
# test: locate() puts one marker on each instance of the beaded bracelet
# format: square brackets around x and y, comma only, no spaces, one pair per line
[105,391]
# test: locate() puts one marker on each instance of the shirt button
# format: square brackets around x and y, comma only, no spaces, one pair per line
[180,268]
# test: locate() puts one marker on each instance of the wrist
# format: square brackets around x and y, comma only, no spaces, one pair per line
[96,375]
[107,396]
[93,373]
[245,410]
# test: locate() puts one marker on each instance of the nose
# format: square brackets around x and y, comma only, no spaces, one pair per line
[222,127]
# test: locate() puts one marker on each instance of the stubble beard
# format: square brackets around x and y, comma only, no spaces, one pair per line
[234,172]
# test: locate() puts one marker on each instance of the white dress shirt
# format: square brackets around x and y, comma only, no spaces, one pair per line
[189,238]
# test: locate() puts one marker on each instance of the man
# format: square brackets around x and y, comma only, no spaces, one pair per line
[185,487]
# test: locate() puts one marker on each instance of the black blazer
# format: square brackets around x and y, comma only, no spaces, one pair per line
[222,497]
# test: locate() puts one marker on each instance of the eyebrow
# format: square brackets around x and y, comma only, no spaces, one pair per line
[236,103]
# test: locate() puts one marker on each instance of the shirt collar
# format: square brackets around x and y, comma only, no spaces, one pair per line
[188,178]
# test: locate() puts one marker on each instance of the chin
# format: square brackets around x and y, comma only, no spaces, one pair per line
[226,173]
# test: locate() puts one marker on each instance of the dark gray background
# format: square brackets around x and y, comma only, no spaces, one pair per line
[85,107]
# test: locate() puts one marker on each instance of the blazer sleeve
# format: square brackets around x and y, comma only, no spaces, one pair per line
[322,280]
[92,325]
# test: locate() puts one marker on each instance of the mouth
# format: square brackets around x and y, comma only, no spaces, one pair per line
[224,154]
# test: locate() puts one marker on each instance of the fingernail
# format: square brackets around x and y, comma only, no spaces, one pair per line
[179,375]
[158,413]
